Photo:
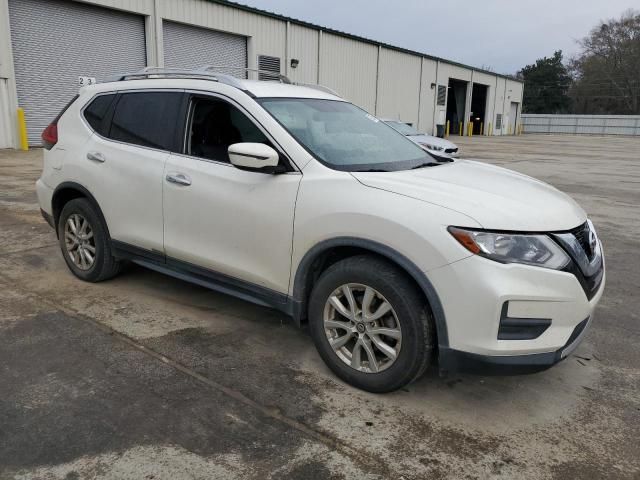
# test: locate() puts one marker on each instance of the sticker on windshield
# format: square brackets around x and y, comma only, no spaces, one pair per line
[372,118]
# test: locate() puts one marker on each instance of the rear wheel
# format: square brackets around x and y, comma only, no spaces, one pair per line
[370,324]
[84,242]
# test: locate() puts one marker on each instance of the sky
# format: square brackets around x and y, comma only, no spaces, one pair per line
[504,35]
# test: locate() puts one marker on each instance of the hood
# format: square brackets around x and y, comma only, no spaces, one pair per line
[495,197]
[437,141]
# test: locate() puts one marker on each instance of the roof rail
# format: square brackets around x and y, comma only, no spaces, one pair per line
[317,86]
[213,73]
[206,72]
[267,73]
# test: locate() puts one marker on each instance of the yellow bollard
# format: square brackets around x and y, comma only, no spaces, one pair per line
[470,129]
[490,129]
[509,130]
[22,130]
[481,128]
[461,130]
[446,131]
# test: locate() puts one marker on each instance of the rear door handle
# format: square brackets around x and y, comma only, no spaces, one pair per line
[96,157]
[178,178]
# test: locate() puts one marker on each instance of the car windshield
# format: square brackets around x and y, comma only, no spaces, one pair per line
[345,137]
[403,128]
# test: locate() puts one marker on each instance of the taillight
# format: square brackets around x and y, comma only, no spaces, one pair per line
[50,134]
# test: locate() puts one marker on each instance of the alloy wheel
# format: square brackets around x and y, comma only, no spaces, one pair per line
[79,241]
[362,328]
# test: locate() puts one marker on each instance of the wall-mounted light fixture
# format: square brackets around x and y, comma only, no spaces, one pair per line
[294,62]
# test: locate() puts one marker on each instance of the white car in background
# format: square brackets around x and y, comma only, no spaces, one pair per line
[438,147]
[293,198]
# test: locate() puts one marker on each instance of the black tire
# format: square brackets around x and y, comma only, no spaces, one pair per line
[418,333]
[104,266]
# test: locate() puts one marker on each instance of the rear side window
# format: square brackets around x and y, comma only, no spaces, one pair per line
[97,110]
[147,119]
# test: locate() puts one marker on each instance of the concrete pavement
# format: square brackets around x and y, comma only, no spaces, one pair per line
[145,376]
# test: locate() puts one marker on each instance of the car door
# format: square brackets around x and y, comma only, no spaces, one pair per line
[124,161]
[233,222]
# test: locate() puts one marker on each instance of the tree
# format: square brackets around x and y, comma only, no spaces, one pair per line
[607,71]
[546,84]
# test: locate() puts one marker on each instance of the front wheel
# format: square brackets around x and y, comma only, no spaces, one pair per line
[370,324]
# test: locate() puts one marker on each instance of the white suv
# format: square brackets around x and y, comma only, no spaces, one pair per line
[291,197]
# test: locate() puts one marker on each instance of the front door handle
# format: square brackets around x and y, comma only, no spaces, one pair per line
[178,178]
[96,157]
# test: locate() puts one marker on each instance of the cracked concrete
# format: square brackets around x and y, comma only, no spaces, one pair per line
[149,377]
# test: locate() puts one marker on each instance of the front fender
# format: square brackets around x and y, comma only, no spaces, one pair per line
[300,293]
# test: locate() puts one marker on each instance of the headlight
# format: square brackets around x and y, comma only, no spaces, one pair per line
[538,250]
[432,147]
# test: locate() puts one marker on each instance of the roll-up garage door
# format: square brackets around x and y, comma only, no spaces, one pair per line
[192,47]
[56,41]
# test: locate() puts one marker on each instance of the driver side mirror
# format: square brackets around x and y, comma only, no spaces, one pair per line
[254,156]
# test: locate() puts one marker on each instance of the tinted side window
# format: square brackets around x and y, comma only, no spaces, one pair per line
[215,125]
[96,111]
[148,119]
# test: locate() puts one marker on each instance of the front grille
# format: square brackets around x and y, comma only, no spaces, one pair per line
[450,150]
[582,236]
[587,264]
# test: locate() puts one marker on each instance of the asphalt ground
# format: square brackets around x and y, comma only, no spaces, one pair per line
[149,377]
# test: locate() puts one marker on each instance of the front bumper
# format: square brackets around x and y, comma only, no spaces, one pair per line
[452,360]
[546,313]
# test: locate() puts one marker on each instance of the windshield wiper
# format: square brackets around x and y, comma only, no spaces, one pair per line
[426,164]
[372,170]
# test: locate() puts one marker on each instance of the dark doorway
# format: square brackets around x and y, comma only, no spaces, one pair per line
[456,100]
[478,108]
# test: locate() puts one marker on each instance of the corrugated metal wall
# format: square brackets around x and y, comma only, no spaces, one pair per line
[267,36]
[56,41]
[303,46]
[137,6]
[398,86]
[499,102]
[513,93]
[428,114]
[186,46]
[582,124]
[350,68]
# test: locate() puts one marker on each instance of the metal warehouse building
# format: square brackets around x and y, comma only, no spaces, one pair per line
[46,45]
